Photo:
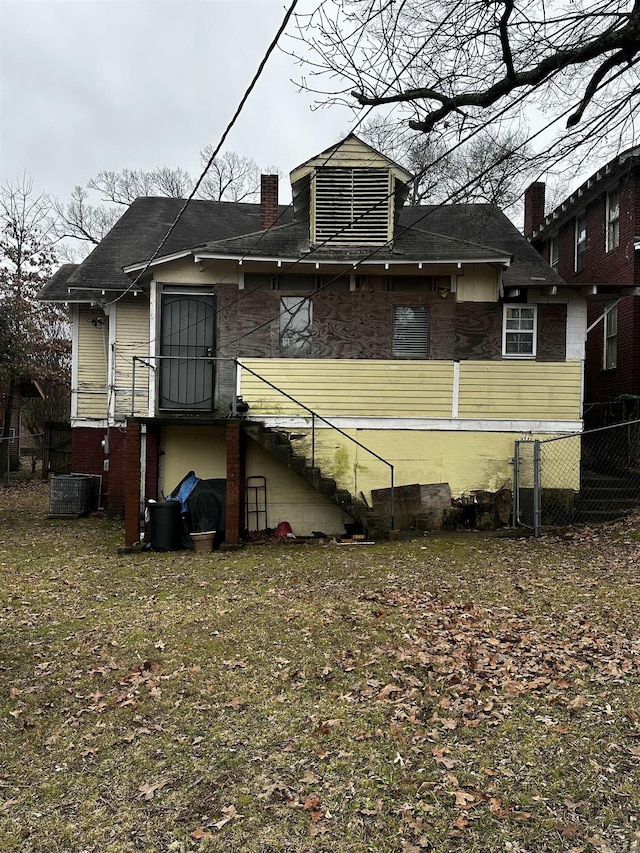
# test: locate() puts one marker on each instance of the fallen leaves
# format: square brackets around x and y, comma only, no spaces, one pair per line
[149,789]
[408,700]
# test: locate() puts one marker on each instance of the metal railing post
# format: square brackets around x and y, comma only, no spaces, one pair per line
[393,500]
[537,508]
[515,497]
[133,386]
[313,440]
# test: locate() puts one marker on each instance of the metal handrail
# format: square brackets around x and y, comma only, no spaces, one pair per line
[314,416]
[146,361]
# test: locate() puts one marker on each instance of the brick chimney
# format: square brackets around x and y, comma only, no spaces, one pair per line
[533,207]
[268,200]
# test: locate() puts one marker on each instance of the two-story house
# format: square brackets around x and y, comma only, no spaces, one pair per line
[592,240]
[384,344]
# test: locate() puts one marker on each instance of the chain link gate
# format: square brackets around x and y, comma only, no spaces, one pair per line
[583,478]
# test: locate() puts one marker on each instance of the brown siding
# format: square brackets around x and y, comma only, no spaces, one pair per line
[552,333]
[478,331]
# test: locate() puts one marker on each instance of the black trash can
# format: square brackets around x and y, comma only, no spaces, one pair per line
[165,525]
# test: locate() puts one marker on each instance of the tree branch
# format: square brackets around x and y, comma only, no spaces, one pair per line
[623,40]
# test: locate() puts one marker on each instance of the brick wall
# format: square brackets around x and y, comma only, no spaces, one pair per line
[235,441]
[132,484]
[88,457]
[601,267]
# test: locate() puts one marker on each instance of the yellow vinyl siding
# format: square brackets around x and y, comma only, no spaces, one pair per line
[132,338]
[93,343]
[509,390]
[365,388]
[183,272]
[478,284]
[349,153]
[520,390]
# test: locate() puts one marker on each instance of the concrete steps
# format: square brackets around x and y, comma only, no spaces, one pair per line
[606,497]
[277,443]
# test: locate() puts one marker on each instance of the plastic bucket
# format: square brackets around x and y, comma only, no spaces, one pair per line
[203,541]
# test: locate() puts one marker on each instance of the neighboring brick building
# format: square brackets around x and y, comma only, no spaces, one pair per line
[592,240]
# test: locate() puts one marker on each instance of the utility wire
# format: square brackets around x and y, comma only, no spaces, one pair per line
[430,211]
[216,151]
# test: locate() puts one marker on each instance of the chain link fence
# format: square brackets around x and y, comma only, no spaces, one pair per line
[584,478]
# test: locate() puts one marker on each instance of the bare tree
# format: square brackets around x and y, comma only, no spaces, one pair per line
[453,67]
[80,220]
[231,177]
[493,166]
[125,186]
[34,337]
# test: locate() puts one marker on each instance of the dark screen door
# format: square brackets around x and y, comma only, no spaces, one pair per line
[187,336]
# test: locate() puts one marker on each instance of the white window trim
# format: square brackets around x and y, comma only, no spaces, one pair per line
[534,333]
[553,243]
[609,246]
[576,242]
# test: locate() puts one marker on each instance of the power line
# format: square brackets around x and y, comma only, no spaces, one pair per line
[214,154]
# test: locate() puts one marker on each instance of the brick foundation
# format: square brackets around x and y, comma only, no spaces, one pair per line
[132,484]
[236,466]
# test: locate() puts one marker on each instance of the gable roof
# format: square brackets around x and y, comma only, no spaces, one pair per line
[431,233]
[350,151]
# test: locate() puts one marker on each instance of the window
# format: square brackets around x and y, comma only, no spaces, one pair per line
[611,338]
[519,331]
[295,326]
[613,220]
[580,240]
[410,331]
[553,253]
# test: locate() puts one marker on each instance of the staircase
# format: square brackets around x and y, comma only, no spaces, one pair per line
[279,445]
[605,497]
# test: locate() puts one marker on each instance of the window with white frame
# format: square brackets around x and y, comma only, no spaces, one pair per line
[553,253]
[295,326]
[611,338]
[519,331]
[410,331]
[580,241]
[613,220]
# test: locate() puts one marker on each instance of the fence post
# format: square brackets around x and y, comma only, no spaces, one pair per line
[537,506]
[515,497]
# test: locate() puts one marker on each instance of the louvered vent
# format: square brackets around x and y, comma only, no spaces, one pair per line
[352,206]
[410,331]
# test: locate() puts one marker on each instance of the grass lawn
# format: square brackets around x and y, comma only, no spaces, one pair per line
[451,693]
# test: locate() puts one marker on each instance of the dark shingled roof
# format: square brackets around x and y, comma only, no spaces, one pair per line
[292,241]
[487,224]
[58,281]
[137,234]
[462,231]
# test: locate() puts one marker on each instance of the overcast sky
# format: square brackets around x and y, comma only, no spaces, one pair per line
[88,85]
